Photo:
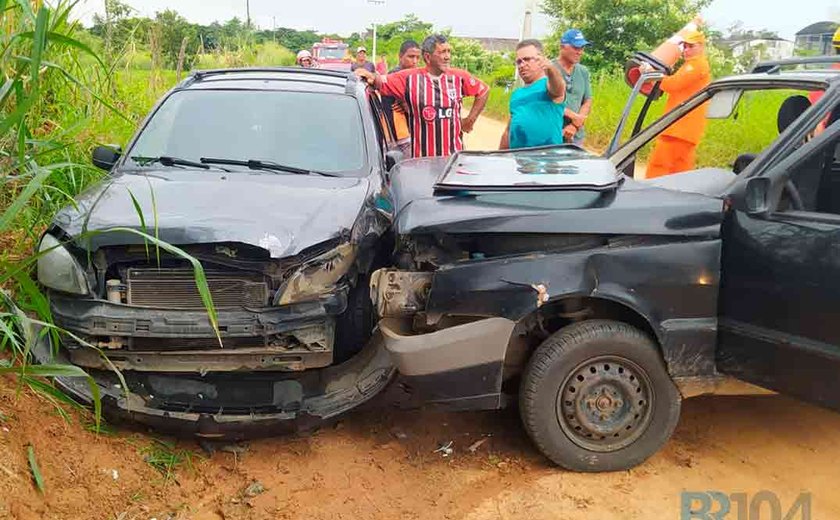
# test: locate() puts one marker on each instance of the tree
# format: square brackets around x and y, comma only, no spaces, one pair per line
[110,28]
[290,38]
[617,29]
[409,24]
[174,28]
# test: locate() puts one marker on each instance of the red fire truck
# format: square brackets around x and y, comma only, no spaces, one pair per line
[331,54]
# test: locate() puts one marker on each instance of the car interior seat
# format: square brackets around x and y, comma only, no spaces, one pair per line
[808,175]
[789,111]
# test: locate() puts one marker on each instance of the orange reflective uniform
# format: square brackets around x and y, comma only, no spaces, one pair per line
[675,147]
[400,121]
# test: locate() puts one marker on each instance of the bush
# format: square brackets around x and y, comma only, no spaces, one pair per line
[503,76]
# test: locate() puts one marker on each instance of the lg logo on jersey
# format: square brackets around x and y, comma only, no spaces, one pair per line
[432,113]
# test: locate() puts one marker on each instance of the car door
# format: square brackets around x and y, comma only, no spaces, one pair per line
[779,322]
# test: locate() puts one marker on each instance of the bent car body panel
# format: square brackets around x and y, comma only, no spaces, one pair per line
[212,207]
[634,208]
[466,357]
[651,250]
[672,286]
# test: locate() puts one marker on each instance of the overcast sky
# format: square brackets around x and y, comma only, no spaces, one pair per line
[496,18]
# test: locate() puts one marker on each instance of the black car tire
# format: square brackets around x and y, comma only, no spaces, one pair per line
[354,326]
[597,396]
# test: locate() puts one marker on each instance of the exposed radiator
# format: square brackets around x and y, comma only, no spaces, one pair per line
[174,288]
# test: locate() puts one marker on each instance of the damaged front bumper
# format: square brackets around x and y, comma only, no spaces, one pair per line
[231,406]
[293,337]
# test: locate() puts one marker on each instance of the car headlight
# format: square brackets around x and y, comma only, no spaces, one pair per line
[318,276]
[57,269]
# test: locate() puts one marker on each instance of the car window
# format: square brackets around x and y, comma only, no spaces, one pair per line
[815,179]
[383,129]
[313,131]
[332,53]
[741,125]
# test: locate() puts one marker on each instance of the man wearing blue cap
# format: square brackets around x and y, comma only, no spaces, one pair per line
[578,85]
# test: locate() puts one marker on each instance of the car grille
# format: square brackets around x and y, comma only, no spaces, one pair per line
[174,288]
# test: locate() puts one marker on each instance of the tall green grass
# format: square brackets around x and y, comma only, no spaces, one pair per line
[57,99]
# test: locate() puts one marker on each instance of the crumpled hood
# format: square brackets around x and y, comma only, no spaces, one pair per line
[640,208]
[283,214]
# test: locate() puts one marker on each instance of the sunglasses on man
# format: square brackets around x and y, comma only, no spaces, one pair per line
[526,59]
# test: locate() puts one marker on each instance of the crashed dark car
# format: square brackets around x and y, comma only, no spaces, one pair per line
[274,180]
[599,301]
[546,277]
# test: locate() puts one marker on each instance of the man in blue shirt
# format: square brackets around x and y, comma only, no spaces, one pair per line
[536,109]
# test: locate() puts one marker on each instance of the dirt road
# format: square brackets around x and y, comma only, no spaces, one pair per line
[382,463]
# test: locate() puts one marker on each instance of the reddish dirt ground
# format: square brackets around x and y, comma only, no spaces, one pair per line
[381,463]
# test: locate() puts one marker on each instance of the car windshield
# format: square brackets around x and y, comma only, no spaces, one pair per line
[331,53]
[309,131]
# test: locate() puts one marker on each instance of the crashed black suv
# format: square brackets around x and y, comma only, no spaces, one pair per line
[548,277]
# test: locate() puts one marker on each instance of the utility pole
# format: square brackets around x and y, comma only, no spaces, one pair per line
[248,14]
[373,56]
[530,7]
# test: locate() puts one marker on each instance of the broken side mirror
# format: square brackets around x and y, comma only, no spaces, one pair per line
[105,157]
[392,158]
[756,195]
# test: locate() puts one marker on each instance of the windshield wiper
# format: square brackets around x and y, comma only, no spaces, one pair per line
[265,165]
[165,160]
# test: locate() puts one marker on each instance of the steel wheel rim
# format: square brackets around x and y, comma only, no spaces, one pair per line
[605,403]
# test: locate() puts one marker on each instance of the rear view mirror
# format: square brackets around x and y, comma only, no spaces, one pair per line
[105,157]
[756,194]
[392,158]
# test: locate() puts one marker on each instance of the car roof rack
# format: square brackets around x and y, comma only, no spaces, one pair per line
[199,75]
[773,67]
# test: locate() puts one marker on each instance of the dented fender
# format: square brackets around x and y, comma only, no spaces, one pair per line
[673,286]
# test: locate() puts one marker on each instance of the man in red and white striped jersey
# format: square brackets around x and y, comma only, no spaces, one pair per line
[434,95]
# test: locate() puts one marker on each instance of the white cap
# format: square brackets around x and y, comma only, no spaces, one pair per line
[361,49]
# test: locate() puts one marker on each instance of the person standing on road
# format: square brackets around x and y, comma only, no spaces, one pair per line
[395,111]
[305,60]
[536,109]
[578,85]
[674,150]
[362,62]
[434,96]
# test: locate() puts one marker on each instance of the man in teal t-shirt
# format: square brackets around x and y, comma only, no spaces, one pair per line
[536,109]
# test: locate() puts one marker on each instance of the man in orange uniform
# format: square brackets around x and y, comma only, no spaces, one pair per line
[675,148]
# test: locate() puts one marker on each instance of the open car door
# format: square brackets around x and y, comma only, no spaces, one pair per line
[780,287]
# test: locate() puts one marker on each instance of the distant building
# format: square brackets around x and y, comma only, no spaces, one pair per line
[816,37]
[762,48]
[495,44]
